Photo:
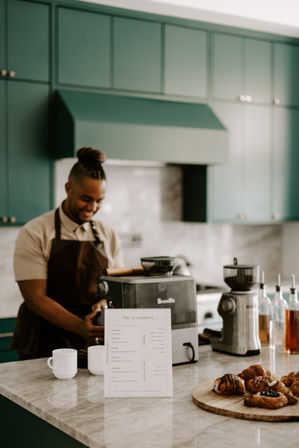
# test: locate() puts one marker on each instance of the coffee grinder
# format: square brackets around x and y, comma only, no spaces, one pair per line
[239,311]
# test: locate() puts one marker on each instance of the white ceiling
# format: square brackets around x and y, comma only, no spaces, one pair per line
[274,16]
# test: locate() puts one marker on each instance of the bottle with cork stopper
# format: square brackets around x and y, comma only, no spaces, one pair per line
[264,313]
[291,334]
[278,307]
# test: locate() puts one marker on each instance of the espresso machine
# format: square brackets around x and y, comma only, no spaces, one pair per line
[239,311]
[155,286]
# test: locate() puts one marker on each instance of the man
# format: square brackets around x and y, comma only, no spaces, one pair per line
[58,259]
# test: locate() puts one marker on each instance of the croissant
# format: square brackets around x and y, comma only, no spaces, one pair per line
[229,384]
[253,371]
[290,378]
[269,400]
[295,388]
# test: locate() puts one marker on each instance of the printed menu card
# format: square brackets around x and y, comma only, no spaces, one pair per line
[138,352]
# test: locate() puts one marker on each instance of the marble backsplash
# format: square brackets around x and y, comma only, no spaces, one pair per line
[143,204]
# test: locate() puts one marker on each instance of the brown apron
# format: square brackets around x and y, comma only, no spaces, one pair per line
[73,271]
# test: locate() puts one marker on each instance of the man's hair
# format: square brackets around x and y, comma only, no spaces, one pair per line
[89,164]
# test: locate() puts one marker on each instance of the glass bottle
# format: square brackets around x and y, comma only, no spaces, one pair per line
[291,334]
[264,313]
[278,307]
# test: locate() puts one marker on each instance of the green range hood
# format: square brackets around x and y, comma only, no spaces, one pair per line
[134,128]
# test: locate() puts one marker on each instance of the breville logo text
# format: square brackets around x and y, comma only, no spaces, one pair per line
[165,301]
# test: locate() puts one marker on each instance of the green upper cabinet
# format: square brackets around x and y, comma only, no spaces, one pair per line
[3,179]
[241,69]
[27,40]
[137,55]
[286,74]
[241,190]
[27,150]
[285,164]
[186,68]
[83,48]
[2,37]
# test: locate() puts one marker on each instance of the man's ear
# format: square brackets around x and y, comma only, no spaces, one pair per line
[68,188]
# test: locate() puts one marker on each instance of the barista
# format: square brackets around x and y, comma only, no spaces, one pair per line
[58,259]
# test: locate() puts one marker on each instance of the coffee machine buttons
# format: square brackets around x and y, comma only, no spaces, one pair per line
[228,305]
[103,287]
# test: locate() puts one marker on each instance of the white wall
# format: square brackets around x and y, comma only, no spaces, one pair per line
[274,16]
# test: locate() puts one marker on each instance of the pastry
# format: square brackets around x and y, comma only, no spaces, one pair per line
[229,384]
[269,399]
[266,383]
[260,384]
[290,378]
[295,388]
[253,371]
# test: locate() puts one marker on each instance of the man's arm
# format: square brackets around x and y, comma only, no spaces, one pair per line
[34,293]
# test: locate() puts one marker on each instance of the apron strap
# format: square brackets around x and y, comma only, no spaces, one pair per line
[57,225]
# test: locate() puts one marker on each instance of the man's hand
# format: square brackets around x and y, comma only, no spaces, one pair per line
[89,330]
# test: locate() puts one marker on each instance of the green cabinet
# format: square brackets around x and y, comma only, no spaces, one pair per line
[286,74]
[25,150]
[25,41]
[83,48]
[241,69]
[241,190]
[285,164]
[136,55]
[6,331]
[186,66]
[3,179]
[2,36]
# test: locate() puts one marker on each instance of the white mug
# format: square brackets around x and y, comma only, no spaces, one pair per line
[96,359]
[64,362]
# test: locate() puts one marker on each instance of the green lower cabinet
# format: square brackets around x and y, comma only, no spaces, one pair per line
[137,55]
[6,330]
[3,178]
[83,48]
[240,191]
[285,164]
[2,35]
[27,148]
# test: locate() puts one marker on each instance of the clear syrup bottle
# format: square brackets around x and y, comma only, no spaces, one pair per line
[291,333]
[264,313]
[278,307]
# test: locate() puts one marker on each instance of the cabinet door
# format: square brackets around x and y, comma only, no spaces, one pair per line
[225,182]
[257,163]
[257,70]
[286,74]
[137,55]
[2,36]
[83,48]
[227,67]
[185,61]
[28,40]
[3,174]
[28,155]
[285,164]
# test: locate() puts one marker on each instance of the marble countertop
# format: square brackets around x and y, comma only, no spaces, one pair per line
[78,407]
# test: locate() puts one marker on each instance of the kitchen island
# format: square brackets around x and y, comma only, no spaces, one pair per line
[77,411]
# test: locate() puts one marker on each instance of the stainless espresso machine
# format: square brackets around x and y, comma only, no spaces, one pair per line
[239,311]
[158,287]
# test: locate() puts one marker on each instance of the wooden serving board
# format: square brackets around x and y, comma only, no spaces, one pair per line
[233,406]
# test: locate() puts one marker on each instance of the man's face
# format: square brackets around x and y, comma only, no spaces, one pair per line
[84,198]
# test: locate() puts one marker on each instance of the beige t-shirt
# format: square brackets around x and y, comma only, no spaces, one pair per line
[34,242]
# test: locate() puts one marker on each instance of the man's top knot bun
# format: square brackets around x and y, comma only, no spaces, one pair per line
[89,164]
[90,156]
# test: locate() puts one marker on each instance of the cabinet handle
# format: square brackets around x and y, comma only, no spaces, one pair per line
[242,98]
[276,101]
[11,74]
[3,72]
[248,98]
[4,219]
[12,219]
